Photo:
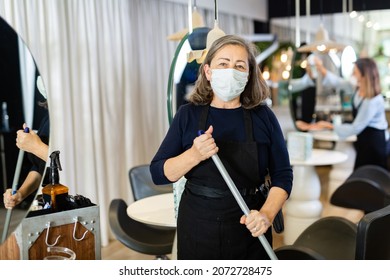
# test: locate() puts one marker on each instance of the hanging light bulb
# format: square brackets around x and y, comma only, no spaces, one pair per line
[266,73]
[321,43]
[285,74]
[353,14]
[283,57]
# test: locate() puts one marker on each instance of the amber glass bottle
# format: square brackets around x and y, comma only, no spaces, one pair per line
[54,193]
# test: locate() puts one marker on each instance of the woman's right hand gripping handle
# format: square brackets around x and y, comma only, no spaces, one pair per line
[204,144]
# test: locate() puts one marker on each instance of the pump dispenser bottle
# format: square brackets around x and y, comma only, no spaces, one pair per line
[54,193]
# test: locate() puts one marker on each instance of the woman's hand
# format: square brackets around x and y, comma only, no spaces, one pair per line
[27,141]
[10,201]
[323,125]
[204,145]
[30,142]
[256,222]
[304,126]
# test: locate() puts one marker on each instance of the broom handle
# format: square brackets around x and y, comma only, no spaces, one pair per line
[239,199]
[14,190]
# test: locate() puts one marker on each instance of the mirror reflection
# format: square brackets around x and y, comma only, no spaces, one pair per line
[183,73]
[310,100]
[24,130]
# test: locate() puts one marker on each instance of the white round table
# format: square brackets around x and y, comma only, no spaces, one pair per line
[156,210]
[340,171]
[304,206]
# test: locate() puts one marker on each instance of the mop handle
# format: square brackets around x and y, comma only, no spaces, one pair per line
[239,199]
[13,191]
[18,167]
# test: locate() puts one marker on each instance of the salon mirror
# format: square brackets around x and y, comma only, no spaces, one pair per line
[21,102]
[183,74]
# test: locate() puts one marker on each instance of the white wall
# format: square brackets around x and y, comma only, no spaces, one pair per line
[254,9]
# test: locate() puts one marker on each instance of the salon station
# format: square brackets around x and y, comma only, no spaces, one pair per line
[113,74]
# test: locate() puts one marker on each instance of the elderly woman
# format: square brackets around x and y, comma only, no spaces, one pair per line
[228,104]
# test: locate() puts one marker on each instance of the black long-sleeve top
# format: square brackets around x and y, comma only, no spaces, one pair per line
[228,125]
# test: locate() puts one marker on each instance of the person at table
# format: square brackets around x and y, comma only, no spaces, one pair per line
[368,109]
[227,103]
[303,91]
[37,149]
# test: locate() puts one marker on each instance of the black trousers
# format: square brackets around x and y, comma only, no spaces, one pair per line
[371,148]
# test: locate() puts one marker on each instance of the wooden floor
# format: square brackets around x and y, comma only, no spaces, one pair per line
[116,251]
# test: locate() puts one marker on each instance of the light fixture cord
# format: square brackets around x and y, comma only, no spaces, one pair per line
[215,10]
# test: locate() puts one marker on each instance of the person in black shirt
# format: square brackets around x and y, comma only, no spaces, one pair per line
[228,103]
[36,146]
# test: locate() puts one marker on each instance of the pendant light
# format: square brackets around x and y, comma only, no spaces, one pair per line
[213,35]
[195,21]
[321,43]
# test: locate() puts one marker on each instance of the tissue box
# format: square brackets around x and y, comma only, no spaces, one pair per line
[299,145]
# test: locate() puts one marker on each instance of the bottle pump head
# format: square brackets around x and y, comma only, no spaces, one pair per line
[54,166]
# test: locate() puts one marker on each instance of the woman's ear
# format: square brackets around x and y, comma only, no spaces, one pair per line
[207,71]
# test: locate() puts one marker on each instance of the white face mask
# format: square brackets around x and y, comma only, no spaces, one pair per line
[353,81]
[228,83]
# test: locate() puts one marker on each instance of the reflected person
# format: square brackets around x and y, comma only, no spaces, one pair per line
[368,108]
[228,103]
[36,147]
[304,94]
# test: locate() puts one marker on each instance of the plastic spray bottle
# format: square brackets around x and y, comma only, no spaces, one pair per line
[54,193]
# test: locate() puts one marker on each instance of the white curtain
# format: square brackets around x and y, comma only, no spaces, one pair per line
[105,66]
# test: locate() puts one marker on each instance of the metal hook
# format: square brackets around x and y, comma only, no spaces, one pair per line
[76,219]
[47,236]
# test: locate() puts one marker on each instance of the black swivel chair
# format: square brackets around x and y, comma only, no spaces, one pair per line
[367,189]
[138,236]
[330,238]
[142,184]
[335,238]
[373,236]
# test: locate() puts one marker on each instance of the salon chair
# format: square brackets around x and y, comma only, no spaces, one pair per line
[336,238]
[142,184]
[373,236]
[294,252]
[366,189]
[138,236]
[330,238]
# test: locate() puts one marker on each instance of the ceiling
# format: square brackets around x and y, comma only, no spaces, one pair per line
[286,8]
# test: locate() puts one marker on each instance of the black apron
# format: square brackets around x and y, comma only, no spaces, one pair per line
[370,145]
[209,227]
